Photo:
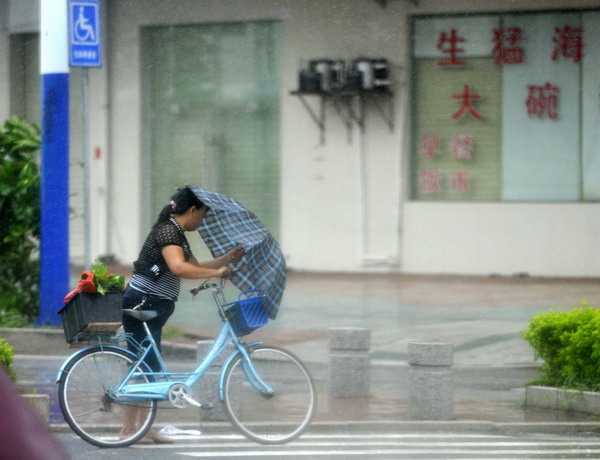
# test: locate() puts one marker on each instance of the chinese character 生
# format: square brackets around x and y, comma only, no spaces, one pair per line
[448,44]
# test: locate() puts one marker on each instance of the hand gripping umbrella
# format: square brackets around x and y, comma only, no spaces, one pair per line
[227,225]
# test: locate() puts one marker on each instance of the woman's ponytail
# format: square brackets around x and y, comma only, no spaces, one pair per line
[181,201]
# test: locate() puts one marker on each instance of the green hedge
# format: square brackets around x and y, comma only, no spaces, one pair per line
[19,222]
[6,359]
[569,344]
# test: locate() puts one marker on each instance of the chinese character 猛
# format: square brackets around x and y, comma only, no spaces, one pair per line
[505,49]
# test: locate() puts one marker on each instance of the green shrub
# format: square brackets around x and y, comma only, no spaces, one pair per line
[19,222]
[6,359]
[569,344]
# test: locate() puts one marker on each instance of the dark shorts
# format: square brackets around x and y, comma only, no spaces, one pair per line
[163,307]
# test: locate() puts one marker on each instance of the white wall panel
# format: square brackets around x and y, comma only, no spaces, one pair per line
[505,239]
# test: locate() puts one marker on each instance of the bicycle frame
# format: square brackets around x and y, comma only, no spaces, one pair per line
[130,389]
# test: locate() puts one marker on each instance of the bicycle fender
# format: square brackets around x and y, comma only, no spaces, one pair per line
[226,365]
[76,354]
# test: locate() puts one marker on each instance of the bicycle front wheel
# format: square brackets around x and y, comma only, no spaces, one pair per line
[88,405]
[273,417]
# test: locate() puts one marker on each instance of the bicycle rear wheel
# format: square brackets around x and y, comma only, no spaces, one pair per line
[86,401]
[274,418]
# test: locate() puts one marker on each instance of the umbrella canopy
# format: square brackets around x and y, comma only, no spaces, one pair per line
[227,225]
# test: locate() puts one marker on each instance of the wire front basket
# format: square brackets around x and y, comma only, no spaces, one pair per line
[247,313]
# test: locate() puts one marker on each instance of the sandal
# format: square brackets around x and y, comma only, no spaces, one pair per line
[158,438]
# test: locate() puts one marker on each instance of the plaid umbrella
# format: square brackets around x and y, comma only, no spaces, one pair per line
[227,225]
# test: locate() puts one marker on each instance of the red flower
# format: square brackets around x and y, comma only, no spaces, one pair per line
[71,294]
[86,283]
[98,280]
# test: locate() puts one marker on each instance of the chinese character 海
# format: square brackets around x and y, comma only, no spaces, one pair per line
[430,145]
[466,105]
[448,44]
[542,100]
[505,48]
[430,181]
[568,43]
[461,147]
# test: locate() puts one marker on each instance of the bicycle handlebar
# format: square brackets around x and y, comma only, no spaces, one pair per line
[208,285]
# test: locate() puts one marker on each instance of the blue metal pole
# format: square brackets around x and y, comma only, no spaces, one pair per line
[54,238]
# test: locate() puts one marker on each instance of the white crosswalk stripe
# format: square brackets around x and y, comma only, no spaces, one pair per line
[393,446]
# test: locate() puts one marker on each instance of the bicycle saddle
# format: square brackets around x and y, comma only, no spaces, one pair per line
[141,315]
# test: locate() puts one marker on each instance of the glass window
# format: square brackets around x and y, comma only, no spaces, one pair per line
[505,107]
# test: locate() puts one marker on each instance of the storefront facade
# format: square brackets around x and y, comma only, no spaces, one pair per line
[481,155]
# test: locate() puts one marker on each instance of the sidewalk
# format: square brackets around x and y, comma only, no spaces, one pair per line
[482,317]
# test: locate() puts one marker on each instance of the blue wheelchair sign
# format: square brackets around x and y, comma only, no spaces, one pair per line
[84,33]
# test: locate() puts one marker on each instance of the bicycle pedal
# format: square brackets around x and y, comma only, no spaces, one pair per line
[191,401]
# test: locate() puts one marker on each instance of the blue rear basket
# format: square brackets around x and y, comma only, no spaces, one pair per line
[248,313]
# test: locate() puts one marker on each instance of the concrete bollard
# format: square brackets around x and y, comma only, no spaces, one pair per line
[349,362]
[40,403]
[431,392]
[207,389]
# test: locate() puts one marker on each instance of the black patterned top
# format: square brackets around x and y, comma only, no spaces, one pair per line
[151,274]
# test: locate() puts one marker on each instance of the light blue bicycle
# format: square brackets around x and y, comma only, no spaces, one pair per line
[266,391]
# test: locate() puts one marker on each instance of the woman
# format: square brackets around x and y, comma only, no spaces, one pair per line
[165,258]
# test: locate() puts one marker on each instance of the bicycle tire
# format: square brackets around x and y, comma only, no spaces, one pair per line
[280,417]
[85,401]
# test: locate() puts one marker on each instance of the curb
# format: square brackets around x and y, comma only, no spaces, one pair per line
[52,342]
[36,341]
[563,400]
[462,426]
[457,426]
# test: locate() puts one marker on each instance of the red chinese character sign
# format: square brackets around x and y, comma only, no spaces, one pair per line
[461,147]
[448,44]
[568,43]
[466,98]
[444,178]
[506,46]
[490,88]
[430,181]
[430,145]
[542,101]
[460,181]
